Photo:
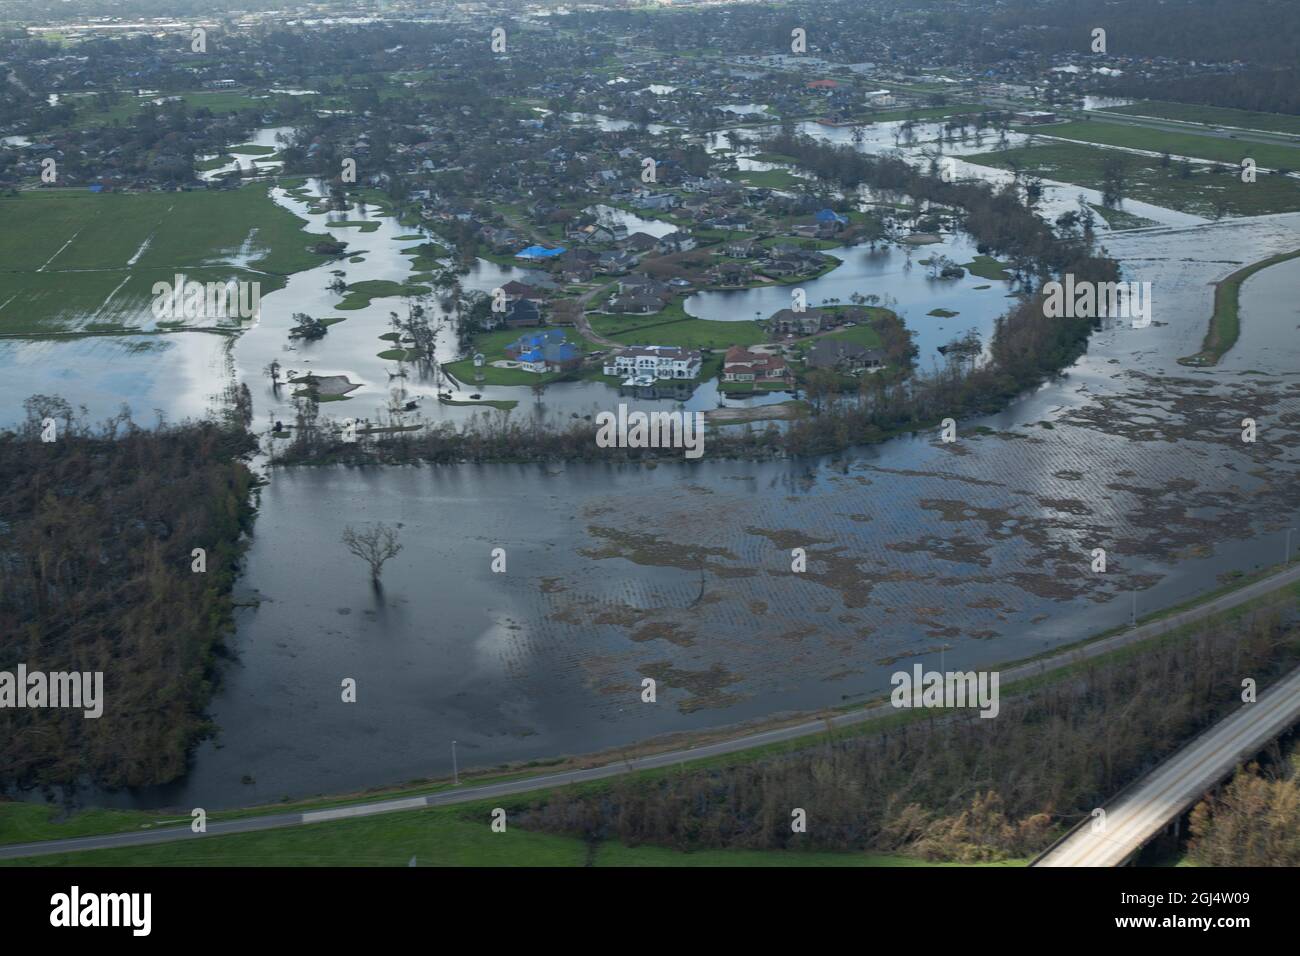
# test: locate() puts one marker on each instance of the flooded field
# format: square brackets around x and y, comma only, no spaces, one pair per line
[960,554]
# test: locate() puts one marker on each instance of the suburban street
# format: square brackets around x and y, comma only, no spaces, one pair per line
[1269,717]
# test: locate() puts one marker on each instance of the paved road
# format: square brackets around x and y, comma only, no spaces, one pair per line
[807,728]
[1142,811]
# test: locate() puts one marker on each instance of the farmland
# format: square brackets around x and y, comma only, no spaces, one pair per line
[76,261]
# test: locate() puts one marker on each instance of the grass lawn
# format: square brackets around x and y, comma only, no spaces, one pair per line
[73,259]
[863,335]
[1150,182]
[365,225]
[986,267]
[686,332]
[492,345]
[1213,115]
[359,294]
[1179,144]
[1225,322]
[251,149]
[90,114]
[768,178]
[1119,219]
[441,836]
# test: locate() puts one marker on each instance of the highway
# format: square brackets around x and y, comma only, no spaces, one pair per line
[808,728]
[1140,812]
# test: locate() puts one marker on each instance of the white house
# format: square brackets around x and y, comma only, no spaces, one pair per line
[659,361]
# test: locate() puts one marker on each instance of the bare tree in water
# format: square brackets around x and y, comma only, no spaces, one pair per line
[374,546]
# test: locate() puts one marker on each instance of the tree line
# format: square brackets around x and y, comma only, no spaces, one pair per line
[948,785]
[97,536]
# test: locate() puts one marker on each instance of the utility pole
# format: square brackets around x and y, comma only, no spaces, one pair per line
[1134,621]
[1286,560]
[455,773]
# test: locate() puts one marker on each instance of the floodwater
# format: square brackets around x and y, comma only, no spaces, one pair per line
[891,271]
[950,555]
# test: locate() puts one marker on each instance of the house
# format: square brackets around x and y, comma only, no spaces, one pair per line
[500,240]
[616,262]
[636,302]
[641,242]
[678,241]
[539,252]
[830,217]
[595,232]
[659,361]
[514,289]
[790,322]
[1033,117]
[731,273]
[842,355]
[544,352]
[647,285]
[660,202]
[522,312]
[743,365]
[740,249]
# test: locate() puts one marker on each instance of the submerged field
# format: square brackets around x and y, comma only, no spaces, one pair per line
[74,261]
[1202,192]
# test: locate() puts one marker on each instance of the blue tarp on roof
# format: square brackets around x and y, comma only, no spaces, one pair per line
[537,340]
[829,215]
[539,252]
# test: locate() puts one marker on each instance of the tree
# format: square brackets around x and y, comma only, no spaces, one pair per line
[374,546]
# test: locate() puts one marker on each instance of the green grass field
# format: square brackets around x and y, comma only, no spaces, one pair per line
[89,112]
[1150,182]
[72,261]
[443,836]
[769,178]
[1214,115]
[1213,148]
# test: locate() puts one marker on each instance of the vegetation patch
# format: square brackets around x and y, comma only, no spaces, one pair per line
[1225,322]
